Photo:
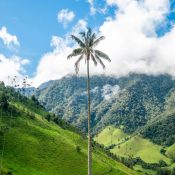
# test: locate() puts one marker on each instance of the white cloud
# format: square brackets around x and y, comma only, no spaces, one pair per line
[109,91]
[134,44]
[65,16]
[92,8]
[53,65]
[11,67]
[80,26]
[58,43]
[95,7]
[131,42]
[7,38]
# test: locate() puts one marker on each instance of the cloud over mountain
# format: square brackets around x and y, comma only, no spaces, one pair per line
[132,42]
[10,67]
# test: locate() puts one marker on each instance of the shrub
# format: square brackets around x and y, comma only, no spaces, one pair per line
[162,163]
[163,172]
[9,173]
[162,151]
[31,115]
[3,101]
[48,117]
[78,149]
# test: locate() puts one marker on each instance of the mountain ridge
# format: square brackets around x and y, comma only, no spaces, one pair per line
[134,101]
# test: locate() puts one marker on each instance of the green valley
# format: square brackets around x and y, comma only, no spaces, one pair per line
[134,147]
[133,123]
[110,135]
[132,117]
[31,143]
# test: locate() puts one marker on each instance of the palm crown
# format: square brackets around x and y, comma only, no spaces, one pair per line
[86,49]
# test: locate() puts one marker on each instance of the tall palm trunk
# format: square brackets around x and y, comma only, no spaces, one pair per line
[87,51]
[89,123]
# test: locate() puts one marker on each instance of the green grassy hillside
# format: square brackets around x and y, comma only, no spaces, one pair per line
[110,135]
[134,147]
[171,151]
[139,147]
[34,146]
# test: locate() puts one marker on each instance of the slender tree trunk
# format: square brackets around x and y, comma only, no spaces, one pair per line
[89,123]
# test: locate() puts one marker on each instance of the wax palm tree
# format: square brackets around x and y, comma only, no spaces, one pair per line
[86,51]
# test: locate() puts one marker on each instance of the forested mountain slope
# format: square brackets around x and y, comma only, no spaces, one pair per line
[140,103]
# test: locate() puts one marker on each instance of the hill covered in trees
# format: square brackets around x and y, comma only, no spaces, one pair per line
[139,103]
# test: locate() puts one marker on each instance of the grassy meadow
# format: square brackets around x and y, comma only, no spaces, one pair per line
[34,146]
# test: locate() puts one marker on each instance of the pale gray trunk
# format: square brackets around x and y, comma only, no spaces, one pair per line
[89,123]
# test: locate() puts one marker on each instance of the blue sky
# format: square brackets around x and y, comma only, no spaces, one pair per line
[135,31]
[35,21]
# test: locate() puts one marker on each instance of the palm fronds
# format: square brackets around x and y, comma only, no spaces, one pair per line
[75,52]
[102,55]
[77,63]
[87,42]
[78,40]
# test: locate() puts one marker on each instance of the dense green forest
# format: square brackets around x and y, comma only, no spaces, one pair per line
[140,103]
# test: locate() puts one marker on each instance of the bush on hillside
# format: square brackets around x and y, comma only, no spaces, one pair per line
[78,149]
[3,100]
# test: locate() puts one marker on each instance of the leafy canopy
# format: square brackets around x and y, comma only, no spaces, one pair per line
[87,42]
